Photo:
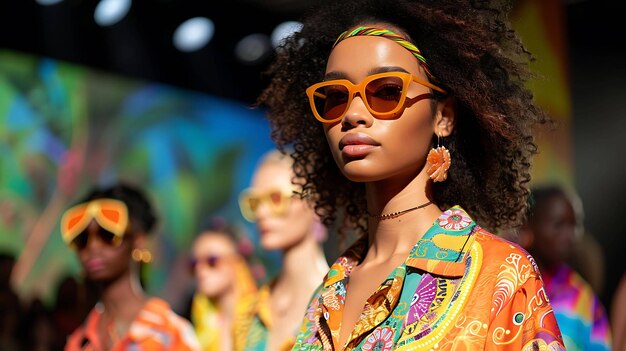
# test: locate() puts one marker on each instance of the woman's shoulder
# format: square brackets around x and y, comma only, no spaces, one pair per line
[497,250]
[157,314]
[159,311]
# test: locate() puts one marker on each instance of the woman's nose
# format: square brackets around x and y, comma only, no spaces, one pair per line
[357,114]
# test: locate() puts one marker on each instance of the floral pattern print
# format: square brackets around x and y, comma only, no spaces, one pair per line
[379,340]
[455,220]
[460,288]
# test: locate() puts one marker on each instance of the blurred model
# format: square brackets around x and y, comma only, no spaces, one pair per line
[109,230]
[286,222]
[225,292]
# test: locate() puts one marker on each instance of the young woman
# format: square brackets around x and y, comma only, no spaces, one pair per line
[109,231]
[287,223]
[410,120]
[225,289]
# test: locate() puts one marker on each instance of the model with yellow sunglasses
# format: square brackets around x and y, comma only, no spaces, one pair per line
[286,223]
[109,230]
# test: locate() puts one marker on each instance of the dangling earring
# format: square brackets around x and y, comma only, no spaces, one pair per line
[439,161]
[141,255]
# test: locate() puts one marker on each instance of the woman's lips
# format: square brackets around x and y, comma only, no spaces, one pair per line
[94,264]
[357,144]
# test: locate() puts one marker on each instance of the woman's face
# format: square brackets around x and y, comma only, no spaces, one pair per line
[279,231]
[555,230]
[214,256]
[102,261]
[368,149]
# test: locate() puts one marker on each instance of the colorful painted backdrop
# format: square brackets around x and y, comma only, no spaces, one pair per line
[542,27]
[65,128]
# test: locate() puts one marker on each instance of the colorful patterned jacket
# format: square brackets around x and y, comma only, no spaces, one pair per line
[460,288]
[156,328]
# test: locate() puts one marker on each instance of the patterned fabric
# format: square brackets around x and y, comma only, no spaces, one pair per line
[461,288]
[582,318]
[261,321]
[156,327]
[205,315]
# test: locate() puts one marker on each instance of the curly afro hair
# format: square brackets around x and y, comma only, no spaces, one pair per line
[474,54]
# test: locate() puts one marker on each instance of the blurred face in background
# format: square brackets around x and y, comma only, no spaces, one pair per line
[554,228]
[283,219]
[102,260]
[212,263]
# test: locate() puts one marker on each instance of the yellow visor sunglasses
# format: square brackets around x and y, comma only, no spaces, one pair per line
[110,214]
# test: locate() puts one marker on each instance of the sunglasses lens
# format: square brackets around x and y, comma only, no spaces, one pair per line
[278,201]
[276,197]
[80,241]
[105,236]
[248,205]
[331,101]
[384,94]
[253,203]
[212,261]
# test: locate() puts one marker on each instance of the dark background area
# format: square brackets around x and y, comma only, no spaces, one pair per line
[597,58]
[140,46]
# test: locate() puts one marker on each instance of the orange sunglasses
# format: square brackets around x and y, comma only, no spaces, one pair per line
[111,215]
[384,95]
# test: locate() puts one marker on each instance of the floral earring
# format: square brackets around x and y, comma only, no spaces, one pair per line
[439,162]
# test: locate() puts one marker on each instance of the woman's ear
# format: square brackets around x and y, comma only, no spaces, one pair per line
[445,117]
[139,241]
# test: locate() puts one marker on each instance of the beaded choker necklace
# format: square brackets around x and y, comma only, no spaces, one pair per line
[399,213]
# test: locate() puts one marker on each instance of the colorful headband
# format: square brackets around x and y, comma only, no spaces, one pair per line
[386,33]
[110,214]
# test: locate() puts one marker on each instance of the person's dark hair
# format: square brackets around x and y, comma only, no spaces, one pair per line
[217,225]
[540,194]
[474,55]
[140,210]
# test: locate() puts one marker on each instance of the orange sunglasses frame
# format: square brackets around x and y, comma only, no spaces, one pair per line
[360,88]
[110,214]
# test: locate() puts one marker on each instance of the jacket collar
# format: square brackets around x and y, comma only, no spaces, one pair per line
[443,250]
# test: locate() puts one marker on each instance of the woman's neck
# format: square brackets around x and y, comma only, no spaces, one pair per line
[226,305]
[304,266]
[396,236]
[123,298]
